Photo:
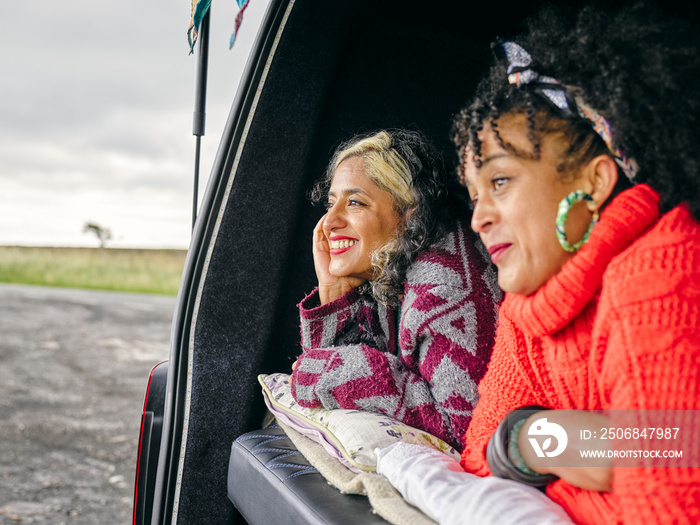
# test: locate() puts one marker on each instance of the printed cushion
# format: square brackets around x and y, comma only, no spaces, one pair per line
[348,435]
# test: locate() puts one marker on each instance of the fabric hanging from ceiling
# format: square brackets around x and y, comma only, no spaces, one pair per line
[200,8]
[242,4]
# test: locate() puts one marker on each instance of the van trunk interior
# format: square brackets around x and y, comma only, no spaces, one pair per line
[340,68]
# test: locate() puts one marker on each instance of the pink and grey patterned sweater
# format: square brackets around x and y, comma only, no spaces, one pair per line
[429,380]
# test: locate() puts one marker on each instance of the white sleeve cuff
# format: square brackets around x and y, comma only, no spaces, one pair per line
[437,484]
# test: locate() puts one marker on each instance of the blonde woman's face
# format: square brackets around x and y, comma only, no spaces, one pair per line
[515,207]
[360,219]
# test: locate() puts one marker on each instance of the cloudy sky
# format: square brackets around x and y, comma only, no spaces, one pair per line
[96,117]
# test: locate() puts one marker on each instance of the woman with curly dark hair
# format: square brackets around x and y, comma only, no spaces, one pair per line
[389,250]
[580,155]
[579,151]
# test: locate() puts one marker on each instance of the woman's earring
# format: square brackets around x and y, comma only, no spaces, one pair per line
[564,208]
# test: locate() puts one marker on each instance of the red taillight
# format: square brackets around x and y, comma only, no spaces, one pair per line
[147,430]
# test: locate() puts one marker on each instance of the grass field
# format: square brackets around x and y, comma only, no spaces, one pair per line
[146,271]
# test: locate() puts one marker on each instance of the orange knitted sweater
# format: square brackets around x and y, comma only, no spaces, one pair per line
[618,328]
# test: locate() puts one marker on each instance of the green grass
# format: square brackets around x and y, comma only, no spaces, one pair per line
[145,271]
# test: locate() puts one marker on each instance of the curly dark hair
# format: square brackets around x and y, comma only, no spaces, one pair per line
[428,208]
[637,67]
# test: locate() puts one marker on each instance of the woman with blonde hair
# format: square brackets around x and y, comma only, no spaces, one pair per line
[403,319]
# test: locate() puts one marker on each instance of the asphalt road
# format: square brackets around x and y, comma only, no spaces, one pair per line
[73,369]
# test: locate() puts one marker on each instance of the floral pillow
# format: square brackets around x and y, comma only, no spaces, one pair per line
[349,435]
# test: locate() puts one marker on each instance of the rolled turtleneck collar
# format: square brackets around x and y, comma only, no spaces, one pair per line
[568,292]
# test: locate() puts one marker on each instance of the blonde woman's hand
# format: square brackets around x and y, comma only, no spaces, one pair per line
[330,287]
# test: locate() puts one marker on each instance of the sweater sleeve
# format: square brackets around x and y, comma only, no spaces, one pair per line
[340,340]
[648,350]
[504,388]
[331,323]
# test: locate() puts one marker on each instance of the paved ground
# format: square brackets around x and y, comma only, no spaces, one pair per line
[73,368]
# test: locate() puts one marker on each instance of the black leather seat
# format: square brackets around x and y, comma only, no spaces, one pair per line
[270,482]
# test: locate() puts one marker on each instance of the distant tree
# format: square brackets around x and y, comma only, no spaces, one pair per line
[103,234]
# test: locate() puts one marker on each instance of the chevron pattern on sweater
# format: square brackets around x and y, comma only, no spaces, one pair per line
[427,374]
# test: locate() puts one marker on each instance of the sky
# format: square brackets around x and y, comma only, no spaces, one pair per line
[96,104]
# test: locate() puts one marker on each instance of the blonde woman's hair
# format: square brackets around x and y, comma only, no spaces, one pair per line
[407,166]
[383,165]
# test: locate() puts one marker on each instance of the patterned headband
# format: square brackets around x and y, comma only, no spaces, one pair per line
[520,74]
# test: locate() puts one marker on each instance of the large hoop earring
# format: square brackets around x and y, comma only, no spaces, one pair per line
[564,209]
